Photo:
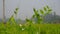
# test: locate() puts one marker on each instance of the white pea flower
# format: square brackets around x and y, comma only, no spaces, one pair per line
[20,25]
[22,29]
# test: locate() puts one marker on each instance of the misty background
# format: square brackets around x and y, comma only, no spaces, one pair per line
[26,7]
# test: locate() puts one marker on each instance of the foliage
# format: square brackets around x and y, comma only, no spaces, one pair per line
[30,29]
[39,14]
[11,27]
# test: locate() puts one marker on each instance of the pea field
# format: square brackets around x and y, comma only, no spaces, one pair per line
[12,27]
[29,28]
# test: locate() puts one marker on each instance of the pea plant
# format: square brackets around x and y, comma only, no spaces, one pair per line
[40,13]
[12,19]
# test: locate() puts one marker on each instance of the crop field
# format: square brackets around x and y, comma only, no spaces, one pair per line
[29,28]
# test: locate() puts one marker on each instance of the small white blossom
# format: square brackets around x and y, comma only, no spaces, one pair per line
[22,29]
[20,25]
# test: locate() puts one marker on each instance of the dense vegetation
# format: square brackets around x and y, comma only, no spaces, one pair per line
[30,27]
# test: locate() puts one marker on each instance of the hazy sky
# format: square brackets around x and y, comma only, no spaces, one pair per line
[26,7]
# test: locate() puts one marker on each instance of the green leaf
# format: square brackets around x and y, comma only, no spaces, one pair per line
[38,15]
[15,12]
[34,10]
[45,9]
[27,19]
[16,9]
[50,10]
[12,18]
[33,16]
[41,11]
